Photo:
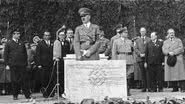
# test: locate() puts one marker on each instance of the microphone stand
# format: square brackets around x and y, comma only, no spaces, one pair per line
[57,85]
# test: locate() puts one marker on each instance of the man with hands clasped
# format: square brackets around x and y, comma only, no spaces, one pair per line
[173,47]
[140,52]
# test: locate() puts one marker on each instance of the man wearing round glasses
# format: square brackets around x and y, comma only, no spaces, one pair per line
[85,38]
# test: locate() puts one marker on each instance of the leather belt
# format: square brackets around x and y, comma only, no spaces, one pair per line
[126,53]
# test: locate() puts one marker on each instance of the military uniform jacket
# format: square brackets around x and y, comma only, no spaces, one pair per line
[154,54]
[85,39]
[122,50]
[104,43]
[109,51]
[15,54]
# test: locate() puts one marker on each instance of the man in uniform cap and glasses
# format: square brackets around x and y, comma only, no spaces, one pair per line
[122,49]
[118,29]
[85,39]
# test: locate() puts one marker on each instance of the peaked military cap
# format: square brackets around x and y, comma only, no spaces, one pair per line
[121,30]
[84,11]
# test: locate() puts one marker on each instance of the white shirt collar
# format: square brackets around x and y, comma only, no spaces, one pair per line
[47,41]
[143,37]
[154,41]
[87,24]
[14,39]
[122,38]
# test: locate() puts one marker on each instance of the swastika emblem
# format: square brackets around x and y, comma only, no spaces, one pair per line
[97,76]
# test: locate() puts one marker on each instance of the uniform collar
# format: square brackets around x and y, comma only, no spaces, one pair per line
[87,24]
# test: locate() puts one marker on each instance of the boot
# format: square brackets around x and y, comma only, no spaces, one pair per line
[128,91]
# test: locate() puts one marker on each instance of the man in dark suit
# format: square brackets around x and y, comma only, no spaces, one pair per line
[154,59]
[70,39]
[140,52]
[15,57]
[44,61]
[86,36]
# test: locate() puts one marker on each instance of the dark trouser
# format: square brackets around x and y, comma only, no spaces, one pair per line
[175,85]
[129,78]
[61,76]
[45,75]
[144,75]
[178,84]
[19,78]
[156,76]
[182,85]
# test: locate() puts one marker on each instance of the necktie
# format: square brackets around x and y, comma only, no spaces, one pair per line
[70,40]
[48,43]
[154,42]
[62,42]
[86,26]
[143,39]
[171,39]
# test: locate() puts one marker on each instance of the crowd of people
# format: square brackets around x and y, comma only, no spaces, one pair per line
[32,65]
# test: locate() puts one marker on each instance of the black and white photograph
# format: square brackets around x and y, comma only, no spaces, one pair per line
[92,52]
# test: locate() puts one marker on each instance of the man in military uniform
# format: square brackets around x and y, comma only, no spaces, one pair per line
[85,39]
[104,43]
[118,28]
[124,52]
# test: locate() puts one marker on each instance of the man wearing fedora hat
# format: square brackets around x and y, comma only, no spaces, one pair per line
[85,38]
[124,52]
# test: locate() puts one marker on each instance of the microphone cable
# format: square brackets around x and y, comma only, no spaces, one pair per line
[44,89]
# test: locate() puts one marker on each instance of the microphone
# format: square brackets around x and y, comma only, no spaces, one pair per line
[57,53]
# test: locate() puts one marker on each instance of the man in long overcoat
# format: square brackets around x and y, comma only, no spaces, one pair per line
[15,57]
[173,46]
